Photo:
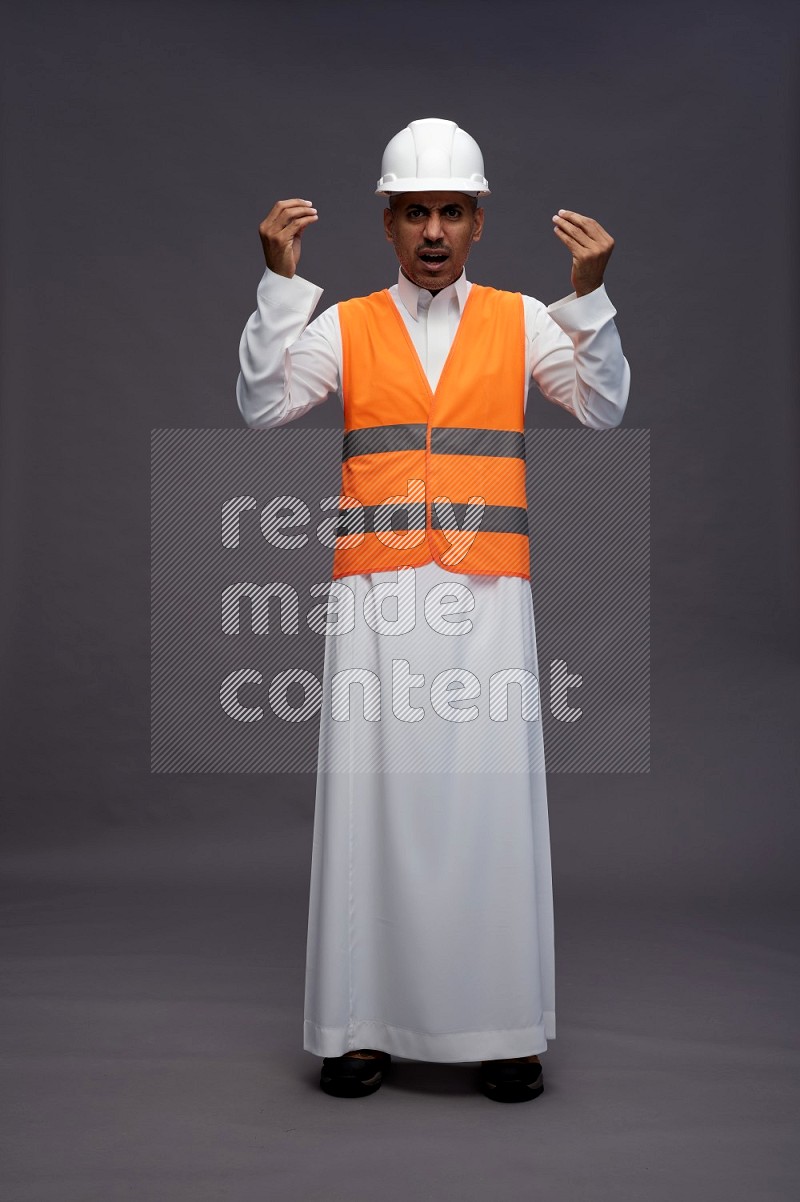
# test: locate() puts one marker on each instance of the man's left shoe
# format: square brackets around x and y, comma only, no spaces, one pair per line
[517,1080]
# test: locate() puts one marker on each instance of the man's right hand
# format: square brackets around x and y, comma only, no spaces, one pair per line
[280,233]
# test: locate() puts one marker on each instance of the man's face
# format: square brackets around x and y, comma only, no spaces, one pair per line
[432,234]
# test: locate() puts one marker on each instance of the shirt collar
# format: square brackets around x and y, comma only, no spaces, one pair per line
[410,294]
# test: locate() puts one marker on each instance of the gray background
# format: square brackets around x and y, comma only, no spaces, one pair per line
[155,926]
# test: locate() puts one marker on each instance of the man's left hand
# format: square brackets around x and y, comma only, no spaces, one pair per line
[591,248]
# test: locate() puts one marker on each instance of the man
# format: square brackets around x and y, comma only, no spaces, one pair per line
[430,932]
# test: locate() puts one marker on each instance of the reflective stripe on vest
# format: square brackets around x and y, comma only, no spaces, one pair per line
[433,475]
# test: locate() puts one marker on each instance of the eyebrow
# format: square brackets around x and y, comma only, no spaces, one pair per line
[452,204]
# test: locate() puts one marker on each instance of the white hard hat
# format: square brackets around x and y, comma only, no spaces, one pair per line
[432,155]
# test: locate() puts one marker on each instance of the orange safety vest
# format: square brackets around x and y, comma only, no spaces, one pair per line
[408,451]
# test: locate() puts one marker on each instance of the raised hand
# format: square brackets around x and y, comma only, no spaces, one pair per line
[591,248]
[280,233]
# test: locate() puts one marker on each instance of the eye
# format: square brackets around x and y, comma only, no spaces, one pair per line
[453,211]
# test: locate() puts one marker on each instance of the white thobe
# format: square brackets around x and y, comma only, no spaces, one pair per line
[430,925]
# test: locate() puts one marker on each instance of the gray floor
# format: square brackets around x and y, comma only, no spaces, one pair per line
[153,1049]
[152,1012]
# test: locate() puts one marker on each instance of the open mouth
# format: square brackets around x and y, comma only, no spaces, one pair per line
[433,259]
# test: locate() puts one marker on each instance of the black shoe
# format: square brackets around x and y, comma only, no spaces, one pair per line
[353,1076]
[511,1080]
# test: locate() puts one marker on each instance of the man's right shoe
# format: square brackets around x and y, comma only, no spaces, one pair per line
[354,1076]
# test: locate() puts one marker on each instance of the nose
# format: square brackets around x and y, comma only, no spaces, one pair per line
[433,227]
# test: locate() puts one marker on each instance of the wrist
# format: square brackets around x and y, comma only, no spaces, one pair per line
[287,275]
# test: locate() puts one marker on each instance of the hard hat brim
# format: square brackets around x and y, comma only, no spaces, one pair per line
[468,186]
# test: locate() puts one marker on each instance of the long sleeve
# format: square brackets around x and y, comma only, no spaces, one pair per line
[286,366]
[576,357]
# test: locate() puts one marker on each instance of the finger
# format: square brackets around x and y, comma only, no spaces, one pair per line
[567,239]
[593,229]
[297,206]
[284,210]
[297,227]
[286,216]
[572,236]
[298,223]
[580,220]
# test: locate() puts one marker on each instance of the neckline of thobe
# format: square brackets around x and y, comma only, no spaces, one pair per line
[411,294]
[463,299]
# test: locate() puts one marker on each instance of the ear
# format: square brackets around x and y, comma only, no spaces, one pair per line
[478,226]
[388,223]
